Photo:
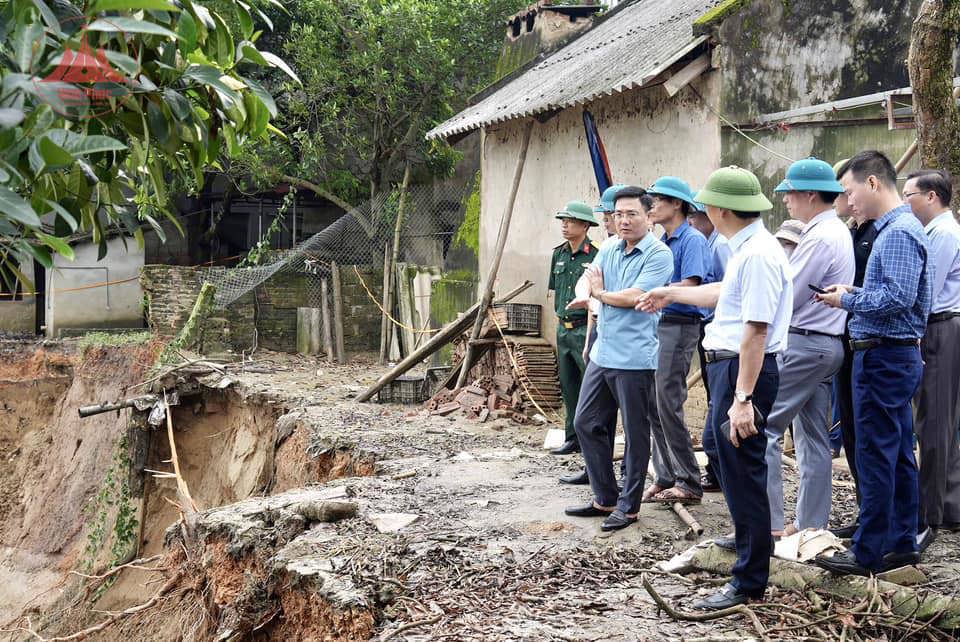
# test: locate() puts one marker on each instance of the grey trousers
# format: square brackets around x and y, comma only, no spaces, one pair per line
[936,426]
[602,393]
[806,368]
[673,461]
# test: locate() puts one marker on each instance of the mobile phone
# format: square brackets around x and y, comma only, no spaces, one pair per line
[758,420]
[816,289]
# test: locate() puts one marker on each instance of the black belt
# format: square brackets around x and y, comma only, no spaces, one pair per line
[712,356]
[684,319]
[807,333]
[942,316]
[873,342]
[570,324]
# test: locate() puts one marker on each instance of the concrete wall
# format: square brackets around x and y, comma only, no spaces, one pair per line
[19,316]
[109,306]
[646,135]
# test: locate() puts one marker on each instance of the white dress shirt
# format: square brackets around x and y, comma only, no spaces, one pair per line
[823,257]
[944,234]
[756,287]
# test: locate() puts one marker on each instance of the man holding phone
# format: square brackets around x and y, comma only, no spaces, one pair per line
[753,305]
[823,256]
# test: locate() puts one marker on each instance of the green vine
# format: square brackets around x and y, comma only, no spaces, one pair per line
[114,495]
[259,251]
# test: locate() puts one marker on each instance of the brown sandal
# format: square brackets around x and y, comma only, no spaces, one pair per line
[650,492]
[676,495]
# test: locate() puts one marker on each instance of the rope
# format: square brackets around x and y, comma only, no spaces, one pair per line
[516,369]
[737,129]
[76,289]
[387,314]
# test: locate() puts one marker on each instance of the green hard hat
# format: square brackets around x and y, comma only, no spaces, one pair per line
[734,188]
[580,211]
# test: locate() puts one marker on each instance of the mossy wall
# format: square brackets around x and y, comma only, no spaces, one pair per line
[782,54]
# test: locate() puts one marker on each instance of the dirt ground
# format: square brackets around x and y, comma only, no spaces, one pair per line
[489,556]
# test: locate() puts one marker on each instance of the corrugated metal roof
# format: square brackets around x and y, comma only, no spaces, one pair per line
[622,52]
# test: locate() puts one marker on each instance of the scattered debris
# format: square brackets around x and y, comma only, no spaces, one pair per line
[392,522]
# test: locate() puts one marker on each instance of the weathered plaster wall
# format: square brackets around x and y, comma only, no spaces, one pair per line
[108,306]
[782,54]
[19,316]
[646,135]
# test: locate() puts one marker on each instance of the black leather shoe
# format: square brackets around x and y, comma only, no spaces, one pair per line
[843,563]
[578,479]
[709,483]
[951,527]
[616,521]
[586,511]
[925,538]
[896,560]
[568,448]
[727,543]
[723,599]
[846,532]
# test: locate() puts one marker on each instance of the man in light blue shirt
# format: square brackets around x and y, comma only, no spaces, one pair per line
[619,375]
[928,193]
[753,306]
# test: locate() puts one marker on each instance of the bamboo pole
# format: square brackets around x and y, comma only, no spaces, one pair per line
[436,342]
[325,314]
[186,500]
[384,320]
[337,311]
[487,291]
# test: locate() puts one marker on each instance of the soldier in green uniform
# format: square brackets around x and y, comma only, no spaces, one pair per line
[569,261]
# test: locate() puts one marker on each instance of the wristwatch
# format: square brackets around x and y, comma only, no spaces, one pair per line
[743,397]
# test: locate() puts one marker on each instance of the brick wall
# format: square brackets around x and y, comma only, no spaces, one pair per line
[271,309]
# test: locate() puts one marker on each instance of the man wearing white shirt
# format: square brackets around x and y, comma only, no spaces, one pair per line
[753,304]
[928,192]
[823,256]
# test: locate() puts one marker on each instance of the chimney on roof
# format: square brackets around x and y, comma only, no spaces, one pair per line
[542,28]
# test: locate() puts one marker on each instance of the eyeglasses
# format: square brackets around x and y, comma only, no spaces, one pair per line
[909,194]
[625,213]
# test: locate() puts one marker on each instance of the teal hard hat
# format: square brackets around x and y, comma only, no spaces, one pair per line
[579,211]
[673,187]
[810,175]
[608,200]
[700,207]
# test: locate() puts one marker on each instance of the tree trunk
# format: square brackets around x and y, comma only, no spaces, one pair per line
[932,45]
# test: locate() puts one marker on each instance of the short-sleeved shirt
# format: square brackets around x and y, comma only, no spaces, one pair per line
[594,305]
[690,255]
[756,287]
[627,339]
[894,301]
[565,268]
[823,257]
[944,234]
[718,255]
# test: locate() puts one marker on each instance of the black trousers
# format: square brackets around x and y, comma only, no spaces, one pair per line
[845,405]
[711,468]
[743,472]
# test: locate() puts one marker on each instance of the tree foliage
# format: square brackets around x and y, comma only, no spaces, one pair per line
[377,75]
[105,157]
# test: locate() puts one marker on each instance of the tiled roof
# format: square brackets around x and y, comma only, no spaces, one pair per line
[624,50]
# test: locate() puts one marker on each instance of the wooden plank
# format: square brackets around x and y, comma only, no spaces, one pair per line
[337,312]
[327,323]
[687,75]
[440,339]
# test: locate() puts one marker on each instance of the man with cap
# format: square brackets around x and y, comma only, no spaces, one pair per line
[753,306]
[619,376]
[888,318]
[864,233]
[788,234]
[569,260]
[718,253]
[928,193]
[677,475]
[823,256]
[604,212]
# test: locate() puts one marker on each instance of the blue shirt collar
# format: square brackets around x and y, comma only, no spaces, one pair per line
[889,217]
[737,240]
[944,217]
[641,245]
[677,233]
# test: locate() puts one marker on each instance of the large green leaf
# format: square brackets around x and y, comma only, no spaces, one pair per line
[246,22]
[187,30]
[13,206]
[247,51]
[27,45]
[213,77]
[131,5]
[261,92]
[49,17]
[158,123]
[57,244]
[179,105]
[122,24]
[54,155]
[84,145]
[278,62]
[63,214]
